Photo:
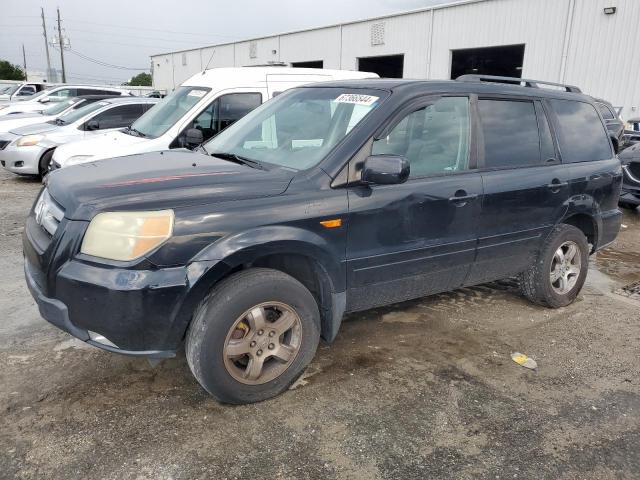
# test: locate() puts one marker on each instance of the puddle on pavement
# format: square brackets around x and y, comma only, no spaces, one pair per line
[623,267]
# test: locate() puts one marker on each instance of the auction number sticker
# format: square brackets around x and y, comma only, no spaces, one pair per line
[357,99]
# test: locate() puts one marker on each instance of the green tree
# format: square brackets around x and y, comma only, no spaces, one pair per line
[140,80]
[11,72]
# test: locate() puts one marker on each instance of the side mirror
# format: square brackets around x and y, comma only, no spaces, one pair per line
[194,137]
[93,125]
[45,100]
[385,169]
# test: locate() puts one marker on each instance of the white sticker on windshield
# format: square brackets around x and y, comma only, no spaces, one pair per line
[357,99]
[196,93]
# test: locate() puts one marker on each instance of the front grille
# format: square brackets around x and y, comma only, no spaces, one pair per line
[4,143]
[48,213]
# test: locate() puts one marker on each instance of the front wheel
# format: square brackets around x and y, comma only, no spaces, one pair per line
[558,274]
[253,336]
[43,165]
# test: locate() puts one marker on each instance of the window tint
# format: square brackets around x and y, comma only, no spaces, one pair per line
[118,117]
[435,139]
[583,138]
[604,111]
[510,131]
[224,111]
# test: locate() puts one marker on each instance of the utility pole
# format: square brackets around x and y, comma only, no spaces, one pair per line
[24,61]
[46,44]
[61,45]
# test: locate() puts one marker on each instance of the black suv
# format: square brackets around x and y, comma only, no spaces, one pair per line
[331,198]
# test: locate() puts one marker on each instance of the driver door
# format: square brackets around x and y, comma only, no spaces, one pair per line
[419,237]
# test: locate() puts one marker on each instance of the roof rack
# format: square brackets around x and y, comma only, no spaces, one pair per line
[523,82]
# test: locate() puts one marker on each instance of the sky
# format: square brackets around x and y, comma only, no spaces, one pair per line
[126,33]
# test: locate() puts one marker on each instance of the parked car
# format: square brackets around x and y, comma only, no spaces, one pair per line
[155,94]
[11,122]
[615,126]
[331,198]
[630,158]
[58,93]
[197,110]
[21,90]
[28,150]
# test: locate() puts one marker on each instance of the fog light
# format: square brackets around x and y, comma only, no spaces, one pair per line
[18,164]
[98,338]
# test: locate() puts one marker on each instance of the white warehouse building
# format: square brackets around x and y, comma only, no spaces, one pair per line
[593,44]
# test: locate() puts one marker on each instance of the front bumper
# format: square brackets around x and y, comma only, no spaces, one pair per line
[57,313]
[20,160]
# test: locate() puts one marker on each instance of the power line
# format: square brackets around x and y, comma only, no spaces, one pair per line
[104,64]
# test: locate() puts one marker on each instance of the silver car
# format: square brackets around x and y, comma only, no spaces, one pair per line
[28,150]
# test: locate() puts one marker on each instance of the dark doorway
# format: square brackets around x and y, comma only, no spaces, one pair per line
[504,61]
[388,66]
[312,64]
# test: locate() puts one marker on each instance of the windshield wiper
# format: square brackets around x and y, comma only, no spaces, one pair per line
[134,132]
[59,121]
[232,157]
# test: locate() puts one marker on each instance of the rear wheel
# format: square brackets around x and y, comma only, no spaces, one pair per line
[558,274]
[253,336]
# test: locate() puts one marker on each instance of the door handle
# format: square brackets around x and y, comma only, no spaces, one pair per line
[595,177]
[461,200]
[557,185]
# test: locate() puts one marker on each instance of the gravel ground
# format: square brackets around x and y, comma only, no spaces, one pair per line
[422,389]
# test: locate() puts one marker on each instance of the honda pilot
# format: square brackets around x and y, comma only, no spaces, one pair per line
[331,198]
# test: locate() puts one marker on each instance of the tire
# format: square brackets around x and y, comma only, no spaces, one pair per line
[536,282]
[43,165]
[233,302]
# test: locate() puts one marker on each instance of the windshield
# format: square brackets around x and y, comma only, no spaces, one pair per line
[75,115]
[11,90]
[298,128]
[59,107]
[163,115]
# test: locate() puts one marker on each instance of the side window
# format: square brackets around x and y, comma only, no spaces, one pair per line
[510,131]
[64,93]
[604,111]
[224,111]
[435,138]
[118,117]
[26,91]
[582,136]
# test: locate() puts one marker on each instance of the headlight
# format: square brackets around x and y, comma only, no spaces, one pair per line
[29,140]
[75,160]
[127,235]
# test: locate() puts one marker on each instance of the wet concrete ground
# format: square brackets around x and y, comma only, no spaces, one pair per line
[422,389]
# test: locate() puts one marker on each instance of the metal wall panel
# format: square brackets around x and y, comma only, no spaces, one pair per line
[570,41]
[403,34]
[537,24]
[320,44]
[604,52]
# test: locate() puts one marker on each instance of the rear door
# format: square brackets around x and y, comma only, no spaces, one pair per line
[113,118]
[526,187]
[595,171]
[419,237]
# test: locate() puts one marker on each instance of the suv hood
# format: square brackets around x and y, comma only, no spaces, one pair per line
[159,180]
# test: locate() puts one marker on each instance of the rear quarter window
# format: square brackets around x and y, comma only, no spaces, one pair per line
[582,136]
